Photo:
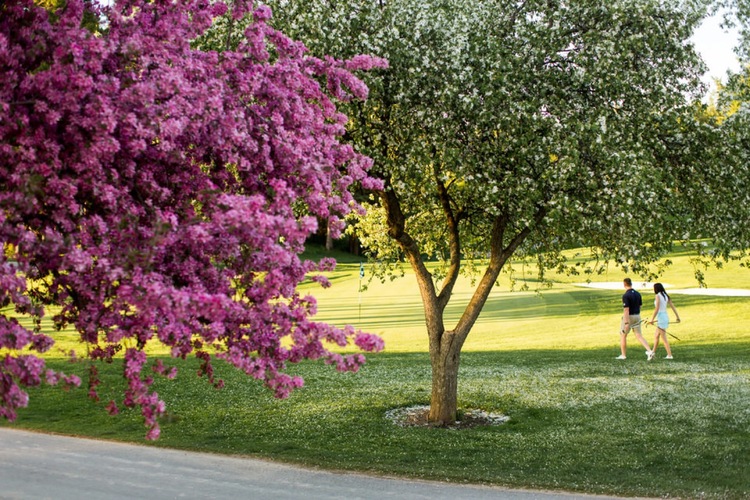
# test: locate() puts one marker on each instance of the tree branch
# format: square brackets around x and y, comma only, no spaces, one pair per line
[454,240]
[396,222]
[498,257]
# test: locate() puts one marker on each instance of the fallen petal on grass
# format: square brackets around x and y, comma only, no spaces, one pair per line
[416,416]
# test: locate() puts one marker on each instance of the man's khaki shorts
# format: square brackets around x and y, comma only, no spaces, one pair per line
[633,323]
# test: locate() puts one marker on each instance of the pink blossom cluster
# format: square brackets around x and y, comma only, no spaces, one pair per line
[156,192]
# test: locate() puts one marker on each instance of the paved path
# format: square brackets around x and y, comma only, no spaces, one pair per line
[43,466]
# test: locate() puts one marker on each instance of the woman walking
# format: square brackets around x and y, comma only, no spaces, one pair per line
[661,302]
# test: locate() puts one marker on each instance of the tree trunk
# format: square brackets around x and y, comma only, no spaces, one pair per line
[354,247]
[445,345]
[444,398]
[329,239]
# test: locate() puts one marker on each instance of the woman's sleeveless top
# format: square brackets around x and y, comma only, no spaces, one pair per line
[663,300]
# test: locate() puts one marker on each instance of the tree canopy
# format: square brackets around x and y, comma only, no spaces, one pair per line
[506,129]
[151,191]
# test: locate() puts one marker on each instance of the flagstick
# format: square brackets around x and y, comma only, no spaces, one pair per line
[359,292]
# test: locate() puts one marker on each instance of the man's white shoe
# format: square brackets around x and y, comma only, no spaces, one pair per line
[650,355]
[668,357]
[621,357]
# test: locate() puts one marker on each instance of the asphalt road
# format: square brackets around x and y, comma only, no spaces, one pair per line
[43,466]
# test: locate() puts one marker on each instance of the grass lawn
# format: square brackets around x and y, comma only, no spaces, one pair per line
[580,420]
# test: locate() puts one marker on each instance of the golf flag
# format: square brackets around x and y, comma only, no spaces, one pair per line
[359,294]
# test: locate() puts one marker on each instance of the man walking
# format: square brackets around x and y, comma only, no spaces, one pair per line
[631,319]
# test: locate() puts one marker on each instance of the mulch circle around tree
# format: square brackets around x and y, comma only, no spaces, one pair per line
[416,416]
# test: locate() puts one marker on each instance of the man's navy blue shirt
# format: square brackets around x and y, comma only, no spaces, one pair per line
[632,300]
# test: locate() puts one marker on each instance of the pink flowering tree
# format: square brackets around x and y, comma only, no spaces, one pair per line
[154,192]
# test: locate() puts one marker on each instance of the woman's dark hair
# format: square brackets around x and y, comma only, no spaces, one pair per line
[659,288]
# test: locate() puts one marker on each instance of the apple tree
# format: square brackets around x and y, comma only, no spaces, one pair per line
[506,129]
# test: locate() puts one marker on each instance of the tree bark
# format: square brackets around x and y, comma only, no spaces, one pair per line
[444,397]
[445,345]
[329,239]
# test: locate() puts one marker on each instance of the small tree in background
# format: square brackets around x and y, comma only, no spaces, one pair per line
[157,192]
[721,184]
